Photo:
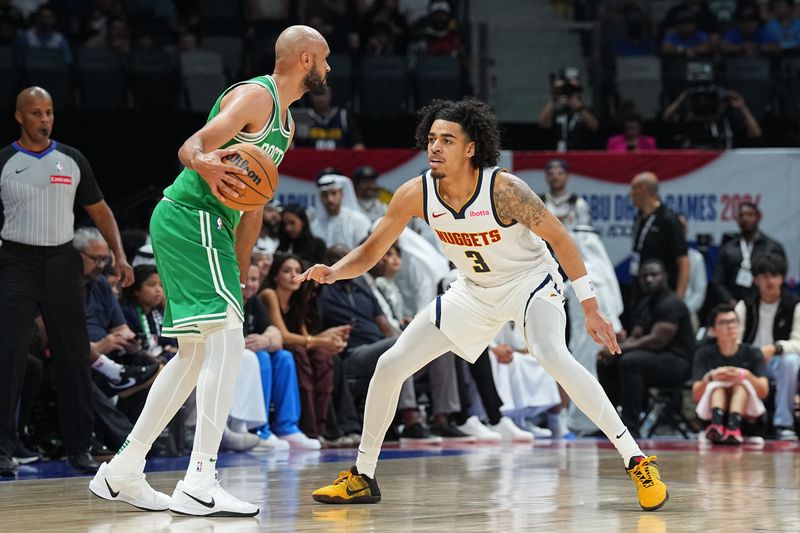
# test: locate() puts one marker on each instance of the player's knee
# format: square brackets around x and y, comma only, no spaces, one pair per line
[390,369]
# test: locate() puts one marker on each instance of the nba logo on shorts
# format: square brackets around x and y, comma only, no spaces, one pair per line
[199,466]
[219,223]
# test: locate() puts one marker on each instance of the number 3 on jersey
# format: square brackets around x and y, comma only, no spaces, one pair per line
[480,265]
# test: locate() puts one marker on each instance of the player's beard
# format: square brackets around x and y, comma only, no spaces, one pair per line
[314,83]
[437,174]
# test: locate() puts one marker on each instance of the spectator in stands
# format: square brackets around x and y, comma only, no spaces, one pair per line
[390,265]
[748,37]
[658,234]
[571,209]
[565,114]
[268,238]
[384,29]
[732,279]
[43,34]
[143,307]
[113,280]
[771,322]
[712,117]
[263,262]
[296,237]
[729,379]
[631,138]
[637,40]
[116,37]
[686,39]
[289,307]
[784,28]
[278,376]
[352,302]
[101,14]
[330,126]
[437,34]
[698,278]
[365,181]
[703,18]
[658,351]
[340,221]
[424,268]
[11,21]
[109,334]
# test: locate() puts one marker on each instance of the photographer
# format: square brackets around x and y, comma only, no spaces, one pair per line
[566,114]
[712,117]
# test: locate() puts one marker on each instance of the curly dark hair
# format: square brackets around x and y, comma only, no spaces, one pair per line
[475,117]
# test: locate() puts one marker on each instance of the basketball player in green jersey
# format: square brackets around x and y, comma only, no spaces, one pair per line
[202,251]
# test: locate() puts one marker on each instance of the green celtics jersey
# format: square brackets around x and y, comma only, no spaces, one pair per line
[192,191]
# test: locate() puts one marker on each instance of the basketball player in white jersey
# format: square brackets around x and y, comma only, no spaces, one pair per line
[493,228]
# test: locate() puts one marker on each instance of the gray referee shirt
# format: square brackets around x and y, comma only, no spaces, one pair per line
[38,192]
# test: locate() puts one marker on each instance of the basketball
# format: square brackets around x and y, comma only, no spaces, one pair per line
[260,181]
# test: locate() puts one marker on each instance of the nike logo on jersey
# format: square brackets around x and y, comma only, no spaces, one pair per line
[22,170]
[437,215]
[201,502]
[621,434]
[354,492]
[111,491]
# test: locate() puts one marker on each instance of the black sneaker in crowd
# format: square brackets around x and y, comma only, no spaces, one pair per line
[418,434]
[7,466]
[83,463]
[98,448]
[452,433]
[133,375]
[23,455]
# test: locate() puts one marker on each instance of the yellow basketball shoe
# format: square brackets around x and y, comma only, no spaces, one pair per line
[349,487]
[646,478]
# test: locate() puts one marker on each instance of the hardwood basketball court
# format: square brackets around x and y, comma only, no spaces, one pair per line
[552,486]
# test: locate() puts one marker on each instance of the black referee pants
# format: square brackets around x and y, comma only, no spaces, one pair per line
[50,279]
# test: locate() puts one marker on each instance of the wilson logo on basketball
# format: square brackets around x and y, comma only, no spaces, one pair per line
[239,161]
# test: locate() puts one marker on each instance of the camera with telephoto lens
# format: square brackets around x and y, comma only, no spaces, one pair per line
[566,82]
[706,102]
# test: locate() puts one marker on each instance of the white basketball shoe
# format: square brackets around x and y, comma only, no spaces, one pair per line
[208,500]
[132,489]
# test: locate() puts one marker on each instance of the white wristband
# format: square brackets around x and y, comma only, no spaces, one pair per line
[584,289]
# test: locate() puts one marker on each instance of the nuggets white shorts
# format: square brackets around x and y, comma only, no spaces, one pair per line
[471,315]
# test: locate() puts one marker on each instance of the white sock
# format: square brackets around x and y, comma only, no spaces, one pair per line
[129,458]
[201,469]
[110,369]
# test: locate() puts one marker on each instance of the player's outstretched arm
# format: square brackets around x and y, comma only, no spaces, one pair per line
[406,203]
[244,105]
[516,201]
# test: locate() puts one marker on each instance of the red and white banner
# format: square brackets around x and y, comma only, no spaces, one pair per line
[703,185]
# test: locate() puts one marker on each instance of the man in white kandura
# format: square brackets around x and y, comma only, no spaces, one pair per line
[493,228]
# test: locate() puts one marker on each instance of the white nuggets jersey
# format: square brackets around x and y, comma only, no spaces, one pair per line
[486,251]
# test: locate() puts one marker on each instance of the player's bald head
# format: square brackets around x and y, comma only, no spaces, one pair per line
[28,96]
[646,180]
[295,40]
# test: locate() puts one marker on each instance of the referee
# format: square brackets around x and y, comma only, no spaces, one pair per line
[40,182]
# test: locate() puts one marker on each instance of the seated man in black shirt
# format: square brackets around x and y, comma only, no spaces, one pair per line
[352,302]
[729,378]
[658,351]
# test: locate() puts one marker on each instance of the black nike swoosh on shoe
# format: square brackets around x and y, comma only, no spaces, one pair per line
[621,434]
[130,383]
[354,492]
[110,490]
[201,502]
